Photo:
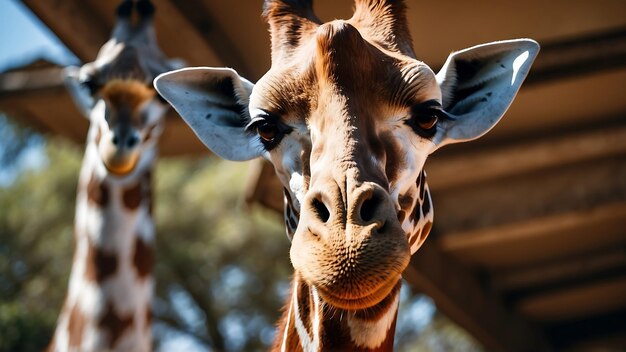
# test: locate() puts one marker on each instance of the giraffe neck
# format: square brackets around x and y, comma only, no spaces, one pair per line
[309,324]
[108,305]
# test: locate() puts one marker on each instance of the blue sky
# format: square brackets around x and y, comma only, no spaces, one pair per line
[23,38]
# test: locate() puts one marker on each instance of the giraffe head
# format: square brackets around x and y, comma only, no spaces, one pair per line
[115,91]
[347,115]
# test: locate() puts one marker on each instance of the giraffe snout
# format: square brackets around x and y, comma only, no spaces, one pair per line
[120,151]
[351,243]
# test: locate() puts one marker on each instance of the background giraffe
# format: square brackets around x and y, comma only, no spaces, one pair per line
[348,116]
[108,304]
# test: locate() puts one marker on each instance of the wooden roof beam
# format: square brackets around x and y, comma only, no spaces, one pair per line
[599,332]
[539,238]
[27,81]
[199,16]
[83,26]
[572,302]
[547,274]
[459,295]
[564,58]
[550,151]
[80,28]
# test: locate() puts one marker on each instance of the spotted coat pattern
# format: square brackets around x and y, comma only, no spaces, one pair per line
[108,304]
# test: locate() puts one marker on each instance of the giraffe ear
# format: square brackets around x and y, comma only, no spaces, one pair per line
[479,84]
[214,103]
[76,87]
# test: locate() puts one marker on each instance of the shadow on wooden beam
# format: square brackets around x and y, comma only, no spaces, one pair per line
[458,294]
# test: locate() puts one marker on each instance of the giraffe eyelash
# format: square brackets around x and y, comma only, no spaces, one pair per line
[434,107]
[264,120]
[424,118]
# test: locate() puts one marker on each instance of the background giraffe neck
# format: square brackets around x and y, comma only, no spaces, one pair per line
[309,324]
[110,289]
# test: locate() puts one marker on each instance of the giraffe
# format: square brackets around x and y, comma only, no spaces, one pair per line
[347,115]
[108,304]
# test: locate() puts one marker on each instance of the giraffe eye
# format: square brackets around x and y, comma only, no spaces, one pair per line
[427,121]
[425,116]
[269,128]
[267,131]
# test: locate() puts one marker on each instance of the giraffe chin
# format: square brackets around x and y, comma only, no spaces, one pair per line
[121,165]
[368,301]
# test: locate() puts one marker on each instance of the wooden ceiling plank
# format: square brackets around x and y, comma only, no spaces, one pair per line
[79,27]
[492,163]
[554,271]
[178,37]
[199,16]
[531,240]
[565,58]
[463,299]
[598,332]
[521,198]
[573,302]
[26,81]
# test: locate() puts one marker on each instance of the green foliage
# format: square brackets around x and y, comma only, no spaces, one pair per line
[36,214]
[22,332]
[442,335]
[228,261]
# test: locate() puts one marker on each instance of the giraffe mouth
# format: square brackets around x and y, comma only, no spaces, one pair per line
[121,164]
[366,301]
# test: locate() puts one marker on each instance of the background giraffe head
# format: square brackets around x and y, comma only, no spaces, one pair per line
[115,91]
[347,115]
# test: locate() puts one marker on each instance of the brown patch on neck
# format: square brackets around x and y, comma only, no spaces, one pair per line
[421,181]
[100,264]
[293,340]
[405,201]
[76,326]
[426,230]
[97,192]
[127,93]
[290,202]
[306,306]
[414,237]
[114,324]
[426,203]
[143,258]
[132,196]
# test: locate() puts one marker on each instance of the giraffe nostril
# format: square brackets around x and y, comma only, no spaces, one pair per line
[369,207]
[132,141]
[321,210]
[115,140]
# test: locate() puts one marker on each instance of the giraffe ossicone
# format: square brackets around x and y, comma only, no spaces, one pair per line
[347,115]
[108,304]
